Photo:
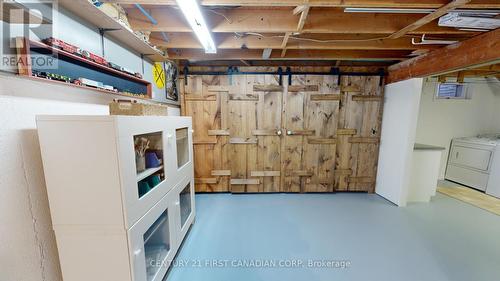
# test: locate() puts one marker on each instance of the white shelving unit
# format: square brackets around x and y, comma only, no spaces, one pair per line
[108,226]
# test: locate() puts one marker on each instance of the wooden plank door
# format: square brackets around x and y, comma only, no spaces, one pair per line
[310,117]
[205,106]
[358,133]
[253,135]
[254,121]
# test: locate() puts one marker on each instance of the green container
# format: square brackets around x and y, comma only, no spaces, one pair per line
[154,180]
[143,188]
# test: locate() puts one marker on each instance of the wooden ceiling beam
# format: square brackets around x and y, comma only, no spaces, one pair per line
[282,21]
[199,54]
[480,50]
[434,4]
[230,41]
[324,63]
[429,18]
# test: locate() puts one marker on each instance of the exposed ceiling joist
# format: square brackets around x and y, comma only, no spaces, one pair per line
[478,4]
[199,54]
[280,41]
[324,63]
[429,18]
[480,50]
[282,21]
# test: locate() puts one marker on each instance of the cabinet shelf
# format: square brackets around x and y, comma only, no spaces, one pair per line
[148,172]
[93,15]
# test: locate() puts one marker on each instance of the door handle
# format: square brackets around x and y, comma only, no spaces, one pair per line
[279,132]
[456,155]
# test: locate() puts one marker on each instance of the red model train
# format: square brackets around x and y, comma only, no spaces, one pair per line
[95,58]
[60,44]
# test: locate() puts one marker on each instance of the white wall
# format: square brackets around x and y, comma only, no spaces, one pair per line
[440,121]
[27,244]
[399,123]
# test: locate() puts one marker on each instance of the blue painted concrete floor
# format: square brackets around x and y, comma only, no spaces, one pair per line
[337,237]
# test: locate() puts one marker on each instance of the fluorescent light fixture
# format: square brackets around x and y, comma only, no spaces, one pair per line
[192,12]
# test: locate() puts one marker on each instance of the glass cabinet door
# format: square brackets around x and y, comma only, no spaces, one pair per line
[148,149]
[182,142]
[153,241]
[156,245]
[185,209]
[185,204]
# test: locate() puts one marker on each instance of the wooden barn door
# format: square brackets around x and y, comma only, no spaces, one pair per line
[310,117]
[253,135]
[332,133]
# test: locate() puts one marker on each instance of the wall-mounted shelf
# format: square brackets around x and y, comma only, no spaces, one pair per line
[93,15]
[28,16]
[75,66]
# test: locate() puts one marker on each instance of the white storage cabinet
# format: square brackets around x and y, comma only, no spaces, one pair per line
[106,226]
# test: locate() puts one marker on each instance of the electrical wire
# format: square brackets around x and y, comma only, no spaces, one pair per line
[222,15]
[241,35]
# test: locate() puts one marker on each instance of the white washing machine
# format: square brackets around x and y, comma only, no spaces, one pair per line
[493,187]
[473,162]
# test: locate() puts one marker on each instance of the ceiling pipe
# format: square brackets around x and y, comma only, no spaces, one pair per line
[415,11]
[151,19]
[424,41]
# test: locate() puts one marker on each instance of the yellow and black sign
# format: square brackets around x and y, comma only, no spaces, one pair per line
[159,75]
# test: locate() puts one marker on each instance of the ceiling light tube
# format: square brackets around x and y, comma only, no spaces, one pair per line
[193,15]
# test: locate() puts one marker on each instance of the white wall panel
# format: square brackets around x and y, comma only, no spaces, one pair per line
[399,125]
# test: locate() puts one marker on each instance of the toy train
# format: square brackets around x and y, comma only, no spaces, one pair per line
[72,49]
[83,82]
[95,58]
[51,76]
[61,45]
[94,84]
[123,69]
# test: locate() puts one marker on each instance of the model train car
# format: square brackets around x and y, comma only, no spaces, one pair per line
[51,76]
[95,58]
[72,49]
[123,69]
[89,83]
[94,84]
[114,66]
[61,45]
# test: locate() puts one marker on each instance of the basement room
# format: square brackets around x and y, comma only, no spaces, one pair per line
[252,140]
